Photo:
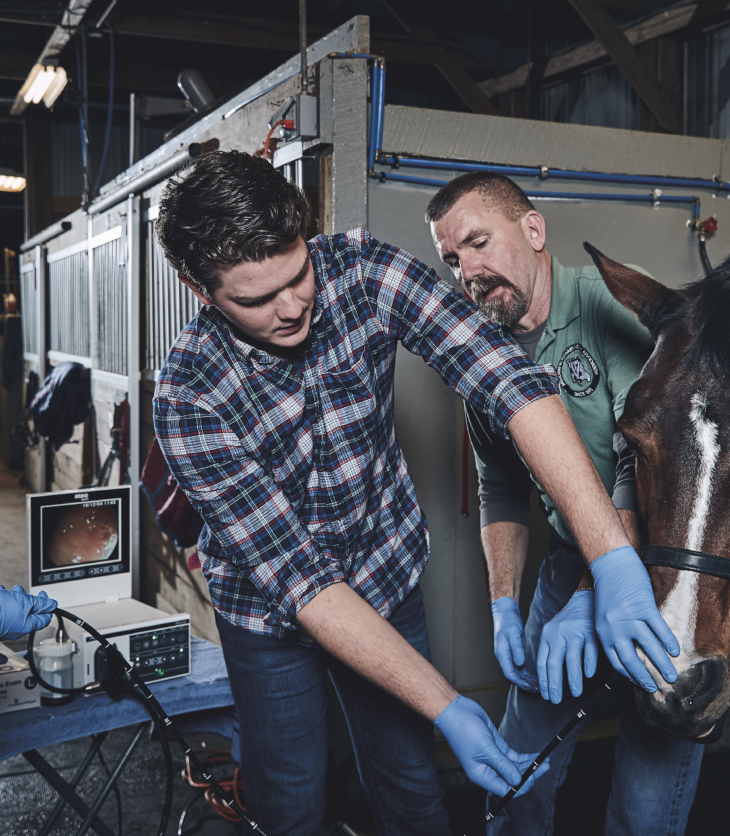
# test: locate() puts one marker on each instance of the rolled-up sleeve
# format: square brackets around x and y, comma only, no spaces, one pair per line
[245,510]
[473,355]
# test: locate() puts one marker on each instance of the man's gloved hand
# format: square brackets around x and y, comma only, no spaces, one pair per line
[626,612]
[570,637]
[509,643]
[485,756]
[20,612]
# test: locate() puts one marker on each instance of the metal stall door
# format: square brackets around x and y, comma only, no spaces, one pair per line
[108,260]
[170,304]
[29,310]
[69,327]
[33,311]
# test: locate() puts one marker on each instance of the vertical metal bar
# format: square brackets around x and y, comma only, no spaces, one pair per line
[133,129]
[303,45]
[134,219]
[149,279]
[165,314]
[178,309]
[155,312]
[40,266]
[299,173]
[93,324]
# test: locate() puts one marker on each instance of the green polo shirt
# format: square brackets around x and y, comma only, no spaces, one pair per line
[598,349]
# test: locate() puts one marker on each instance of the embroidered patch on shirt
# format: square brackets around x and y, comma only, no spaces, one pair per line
[578,371]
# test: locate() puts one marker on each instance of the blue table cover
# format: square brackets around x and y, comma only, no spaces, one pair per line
[205,689]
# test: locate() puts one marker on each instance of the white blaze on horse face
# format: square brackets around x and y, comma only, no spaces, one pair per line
[708,451]
[680,608]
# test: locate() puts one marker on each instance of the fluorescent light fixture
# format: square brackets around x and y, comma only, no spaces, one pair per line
[55,87]
[11,183]
[44,83]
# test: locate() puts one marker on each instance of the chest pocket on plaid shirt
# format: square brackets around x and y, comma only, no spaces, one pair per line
[349,404]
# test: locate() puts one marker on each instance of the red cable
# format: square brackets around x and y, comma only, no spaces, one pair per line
[287,123]
[235,784]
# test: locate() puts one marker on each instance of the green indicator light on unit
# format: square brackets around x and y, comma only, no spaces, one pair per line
[136,658]
[160,671]
[181,650]
[154,638]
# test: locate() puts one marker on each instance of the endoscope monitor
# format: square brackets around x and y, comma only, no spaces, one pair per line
[79,544]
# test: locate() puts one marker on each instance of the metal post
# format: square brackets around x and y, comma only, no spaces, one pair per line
[303,44]
[134,220]
[93,312]
[88,179]
[133,129]
[40,277]
[299,173]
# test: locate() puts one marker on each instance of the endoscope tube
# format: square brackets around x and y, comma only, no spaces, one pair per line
[166,721]
[556,741]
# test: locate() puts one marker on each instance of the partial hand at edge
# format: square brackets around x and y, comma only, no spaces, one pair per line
[569,637]
[626,612]
[485,756]
[509,643]
[21,612]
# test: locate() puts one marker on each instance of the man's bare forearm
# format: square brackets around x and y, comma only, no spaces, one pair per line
[505,550]
[557,457]
[352,631]
[630,522]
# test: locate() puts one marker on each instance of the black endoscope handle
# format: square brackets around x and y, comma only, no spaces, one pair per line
[564,732]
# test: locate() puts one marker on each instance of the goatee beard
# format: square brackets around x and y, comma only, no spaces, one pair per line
[505,309]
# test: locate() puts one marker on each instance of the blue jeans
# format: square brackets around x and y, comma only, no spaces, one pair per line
[281,703]
[655,775]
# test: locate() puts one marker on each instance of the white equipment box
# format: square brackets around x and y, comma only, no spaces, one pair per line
[79,545]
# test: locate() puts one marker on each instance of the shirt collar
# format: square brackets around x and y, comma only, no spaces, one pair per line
[564,298]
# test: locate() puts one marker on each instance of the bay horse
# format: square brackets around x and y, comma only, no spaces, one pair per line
[676,423]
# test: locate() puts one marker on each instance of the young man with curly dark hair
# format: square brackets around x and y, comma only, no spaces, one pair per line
[274,410]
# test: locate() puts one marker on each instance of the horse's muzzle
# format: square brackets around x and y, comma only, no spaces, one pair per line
[696,702]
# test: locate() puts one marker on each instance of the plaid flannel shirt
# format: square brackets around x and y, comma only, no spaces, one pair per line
[294,464]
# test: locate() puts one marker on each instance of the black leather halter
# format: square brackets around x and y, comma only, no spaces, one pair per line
[674,558]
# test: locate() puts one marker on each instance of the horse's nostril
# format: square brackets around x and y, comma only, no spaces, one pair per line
[702,683]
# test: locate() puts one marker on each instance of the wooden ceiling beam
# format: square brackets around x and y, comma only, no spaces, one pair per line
[452,67]
[641,77]
[692,16]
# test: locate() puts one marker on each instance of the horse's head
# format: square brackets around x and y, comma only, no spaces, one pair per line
[677,424]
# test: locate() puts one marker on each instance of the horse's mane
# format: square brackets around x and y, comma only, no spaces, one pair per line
[710,298]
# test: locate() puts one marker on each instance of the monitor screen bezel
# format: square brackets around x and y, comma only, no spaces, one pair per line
[86,590]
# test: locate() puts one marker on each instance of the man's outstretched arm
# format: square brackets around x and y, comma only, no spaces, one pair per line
[352,631]
[625,609]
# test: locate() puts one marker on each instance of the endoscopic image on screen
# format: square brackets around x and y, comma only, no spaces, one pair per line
[80,533]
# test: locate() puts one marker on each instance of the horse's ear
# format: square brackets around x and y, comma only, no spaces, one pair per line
[642,295]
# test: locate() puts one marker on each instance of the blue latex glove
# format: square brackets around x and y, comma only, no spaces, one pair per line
[20,612]
[485,756]
[570,637]
[626,612]
[509,643]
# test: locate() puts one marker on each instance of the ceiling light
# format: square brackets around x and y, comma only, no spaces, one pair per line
[11,183]
[44,83]
[55,87]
